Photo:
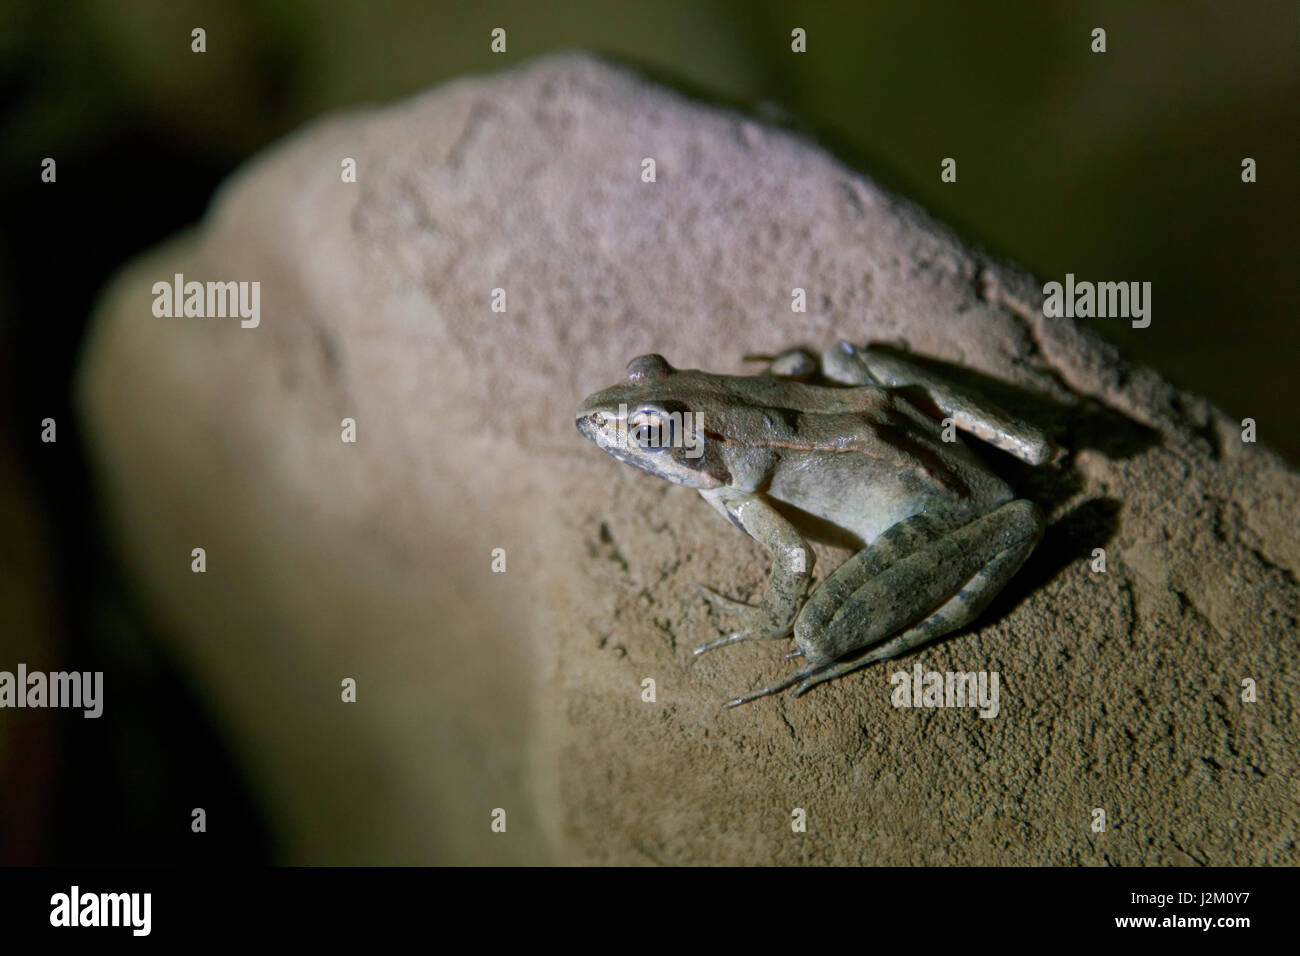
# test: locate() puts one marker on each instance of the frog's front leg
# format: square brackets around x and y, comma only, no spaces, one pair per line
[792,562]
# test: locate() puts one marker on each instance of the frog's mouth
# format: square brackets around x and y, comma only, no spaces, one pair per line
[602,430]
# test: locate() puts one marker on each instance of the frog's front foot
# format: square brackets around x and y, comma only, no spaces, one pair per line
[756,624]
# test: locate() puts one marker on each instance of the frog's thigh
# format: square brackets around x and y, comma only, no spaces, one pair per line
[895,544]
[958,574]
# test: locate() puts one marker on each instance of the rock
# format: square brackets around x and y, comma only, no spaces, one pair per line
[522,690]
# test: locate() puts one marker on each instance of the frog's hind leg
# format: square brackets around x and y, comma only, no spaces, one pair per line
[891,547]
[969,410]
[894,545]
[935,588]
[1010,533]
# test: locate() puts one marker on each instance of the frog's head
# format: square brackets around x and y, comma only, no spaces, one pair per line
[646,423]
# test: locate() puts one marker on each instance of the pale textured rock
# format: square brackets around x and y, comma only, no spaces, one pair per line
[522,690]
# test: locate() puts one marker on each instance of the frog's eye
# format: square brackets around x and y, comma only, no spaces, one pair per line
[649,430]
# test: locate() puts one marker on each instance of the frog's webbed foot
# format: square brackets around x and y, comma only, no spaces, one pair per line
[806,675]
[728,605]
[755,624]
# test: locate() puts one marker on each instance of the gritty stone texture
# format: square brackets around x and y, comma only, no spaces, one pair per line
[522,690]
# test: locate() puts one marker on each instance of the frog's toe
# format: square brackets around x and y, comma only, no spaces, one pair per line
[810,683]
[722,601]
[806,675]
[757,627]
[833,669]
[723,642]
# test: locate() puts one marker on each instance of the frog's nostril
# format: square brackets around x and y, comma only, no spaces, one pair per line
[588,424]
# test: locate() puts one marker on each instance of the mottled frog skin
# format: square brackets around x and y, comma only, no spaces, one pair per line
[939,534]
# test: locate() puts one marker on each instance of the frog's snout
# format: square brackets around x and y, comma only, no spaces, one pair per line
[597,425]
[588,423]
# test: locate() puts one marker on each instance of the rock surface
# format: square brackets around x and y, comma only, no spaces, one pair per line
[522,690]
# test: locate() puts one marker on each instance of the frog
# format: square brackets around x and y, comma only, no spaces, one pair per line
[859,441]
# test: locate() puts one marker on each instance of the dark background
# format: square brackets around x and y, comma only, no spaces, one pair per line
[1119,166]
